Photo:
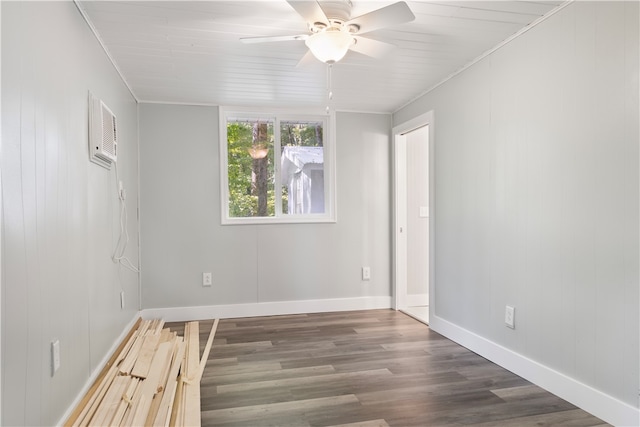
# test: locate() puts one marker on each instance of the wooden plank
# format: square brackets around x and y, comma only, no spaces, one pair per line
[127,348]
[166,415]
[132,355]
[159,326]
[111,401]
[166,405]
[132,398]
[207,349]
[144,326]
[166,335]
[125,402]
[112,361]
[191,389]
[150,384]
[162,381]
[91,406]
[154,408]
[133,406]
[127,364]
[192,405]
[135,409]
[169,391]
[192,337]
[164,370]
[177,413]
[145,356]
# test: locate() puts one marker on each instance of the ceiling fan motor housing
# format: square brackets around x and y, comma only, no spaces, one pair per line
[337,10]
[318,27]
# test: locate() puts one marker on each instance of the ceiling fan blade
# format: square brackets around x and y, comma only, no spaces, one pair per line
[249,40]
[388,16]
[309,10]
[370,47]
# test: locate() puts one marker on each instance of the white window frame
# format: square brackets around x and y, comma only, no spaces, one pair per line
[278,115]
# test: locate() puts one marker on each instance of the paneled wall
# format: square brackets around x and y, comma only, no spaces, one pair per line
[536,195]
[182,236]
[60,212]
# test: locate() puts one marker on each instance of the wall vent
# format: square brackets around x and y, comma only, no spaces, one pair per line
[103,133]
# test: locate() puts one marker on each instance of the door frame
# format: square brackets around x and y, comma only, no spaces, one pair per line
[399,243]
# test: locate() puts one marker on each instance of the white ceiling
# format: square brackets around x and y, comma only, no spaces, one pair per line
[189,51]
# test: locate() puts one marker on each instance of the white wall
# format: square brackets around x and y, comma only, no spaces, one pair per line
[182,236]
[536,188]
[60,212]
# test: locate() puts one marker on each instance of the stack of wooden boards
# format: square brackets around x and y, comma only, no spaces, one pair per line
[152,379]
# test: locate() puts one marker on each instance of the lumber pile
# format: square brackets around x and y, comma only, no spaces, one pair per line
[152,379]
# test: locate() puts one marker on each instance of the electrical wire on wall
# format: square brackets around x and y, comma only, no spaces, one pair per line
[123,239]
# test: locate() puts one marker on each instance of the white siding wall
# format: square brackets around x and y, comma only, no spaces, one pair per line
[536,187]
[60,212]
[182,236]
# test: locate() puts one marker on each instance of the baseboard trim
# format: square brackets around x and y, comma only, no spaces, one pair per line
[591,400]
[177,314]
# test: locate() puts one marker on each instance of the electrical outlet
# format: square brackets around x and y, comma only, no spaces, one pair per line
[206,279]
[366,273]
[55,356]
[510,317]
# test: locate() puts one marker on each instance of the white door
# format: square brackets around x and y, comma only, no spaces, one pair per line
[417,216]
[413,224]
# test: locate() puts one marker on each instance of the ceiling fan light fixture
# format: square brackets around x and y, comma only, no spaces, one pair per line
[329,46]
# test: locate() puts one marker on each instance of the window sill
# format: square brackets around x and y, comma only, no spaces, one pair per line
[280,220]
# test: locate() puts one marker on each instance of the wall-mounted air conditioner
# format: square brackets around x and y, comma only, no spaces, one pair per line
[103,133]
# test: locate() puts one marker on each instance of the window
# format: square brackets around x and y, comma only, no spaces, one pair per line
[276,168]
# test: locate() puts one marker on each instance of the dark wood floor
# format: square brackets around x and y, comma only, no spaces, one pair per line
[362,368]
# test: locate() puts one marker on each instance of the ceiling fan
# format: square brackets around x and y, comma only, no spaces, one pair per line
[332,30]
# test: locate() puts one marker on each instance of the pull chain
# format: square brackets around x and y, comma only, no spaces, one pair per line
[329,92]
